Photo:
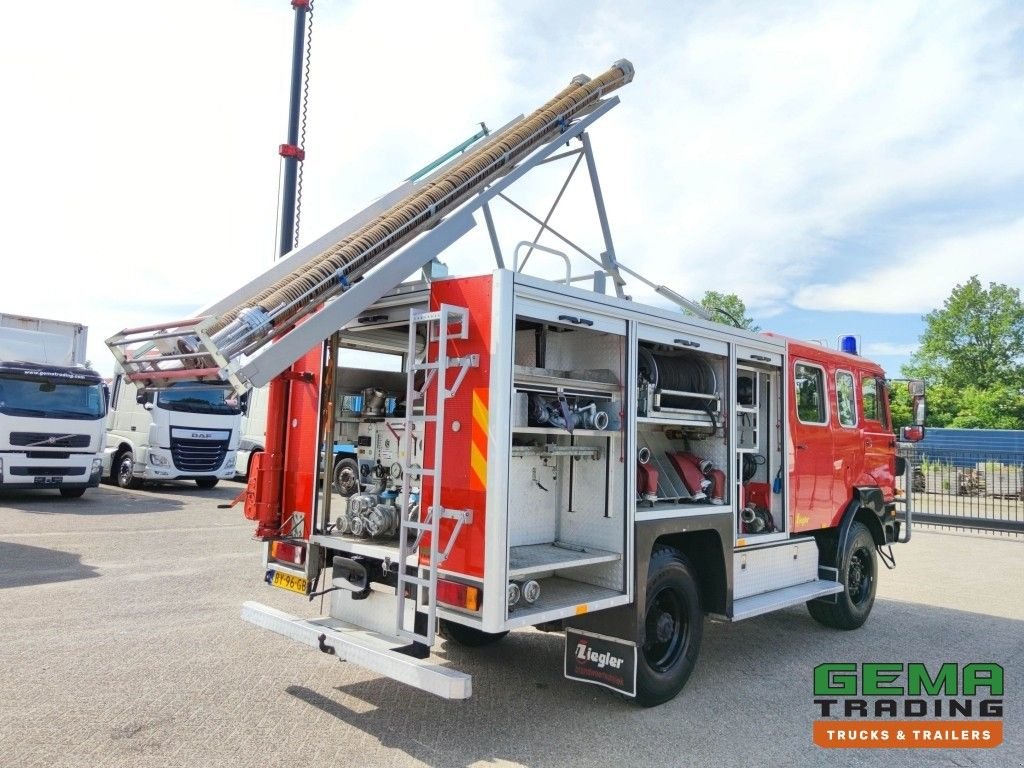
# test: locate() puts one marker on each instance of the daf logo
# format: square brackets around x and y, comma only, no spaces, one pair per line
[202,435]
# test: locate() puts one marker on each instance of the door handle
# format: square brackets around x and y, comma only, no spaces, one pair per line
[868,443]
[801,446]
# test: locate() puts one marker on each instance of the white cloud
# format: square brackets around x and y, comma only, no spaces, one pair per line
[923,276]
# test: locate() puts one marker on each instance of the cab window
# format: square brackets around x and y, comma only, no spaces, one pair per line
[810,394]
[871,397]
[846,401]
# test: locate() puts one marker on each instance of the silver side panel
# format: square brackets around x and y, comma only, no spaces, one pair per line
[364,648]
[765,570]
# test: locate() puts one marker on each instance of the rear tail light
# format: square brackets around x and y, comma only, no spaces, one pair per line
[285,552]
[459,595]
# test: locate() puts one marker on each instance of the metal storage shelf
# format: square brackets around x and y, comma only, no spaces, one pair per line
[541,558]
[546,380]
[550,451]
[558,431]
[562,595]
[680,419]
[377,548]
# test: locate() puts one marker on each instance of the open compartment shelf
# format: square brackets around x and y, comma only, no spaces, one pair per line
[541,558]
[559,593]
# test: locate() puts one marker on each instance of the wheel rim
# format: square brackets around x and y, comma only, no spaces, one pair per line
[345,482]
[860,576]
[124,471]
[666,630]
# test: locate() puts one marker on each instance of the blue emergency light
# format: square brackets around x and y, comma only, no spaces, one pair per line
[848,344]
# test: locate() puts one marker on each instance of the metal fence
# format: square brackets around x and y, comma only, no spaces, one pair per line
[973,489]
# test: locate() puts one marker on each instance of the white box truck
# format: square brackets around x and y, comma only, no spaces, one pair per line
[51,407]
[189,431]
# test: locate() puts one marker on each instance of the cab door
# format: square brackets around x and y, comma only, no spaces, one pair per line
[810,447]
[876,434]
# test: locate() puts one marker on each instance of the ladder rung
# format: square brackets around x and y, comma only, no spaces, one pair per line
[426,317]
[421,417]
[417,526]
[418,472]
[425,366]
[414,580]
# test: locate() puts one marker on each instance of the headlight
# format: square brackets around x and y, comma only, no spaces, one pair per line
[230,463]
[97,466]
[157,460]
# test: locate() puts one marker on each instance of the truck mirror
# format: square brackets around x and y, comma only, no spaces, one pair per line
[914,434]
[243,401]
[918,410]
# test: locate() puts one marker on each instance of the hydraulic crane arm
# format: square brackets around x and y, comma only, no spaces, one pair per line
[320,287]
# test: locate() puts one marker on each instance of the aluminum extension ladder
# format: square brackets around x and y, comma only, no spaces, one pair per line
[423,593]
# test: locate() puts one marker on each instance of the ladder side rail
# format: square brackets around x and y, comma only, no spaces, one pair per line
[404,546]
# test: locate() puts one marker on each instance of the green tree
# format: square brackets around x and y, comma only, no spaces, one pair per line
[972,356]
[727,307]
[976,339]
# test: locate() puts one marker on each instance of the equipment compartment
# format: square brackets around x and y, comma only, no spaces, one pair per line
[566,480]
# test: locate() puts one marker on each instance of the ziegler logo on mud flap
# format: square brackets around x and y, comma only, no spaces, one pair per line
[599,659]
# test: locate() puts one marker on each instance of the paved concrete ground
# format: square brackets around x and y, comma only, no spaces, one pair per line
[122,646]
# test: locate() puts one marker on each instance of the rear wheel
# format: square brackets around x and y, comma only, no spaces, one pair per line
[206,482]
[126,471]
[858,572]
[673,625]
[467,636]
[71,493]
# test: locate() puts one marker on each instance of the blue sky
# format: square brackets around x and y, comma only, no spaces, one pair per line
[840,166]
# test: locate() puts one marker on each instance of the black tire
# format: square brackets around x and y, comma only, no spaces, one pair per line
[858,572]
[71,493]
[470,637]
[125,468]
[669,636]
[207,482]
[346,477]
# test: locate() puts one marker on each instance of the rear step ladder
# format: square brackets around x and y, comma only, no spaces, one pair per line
[439,328]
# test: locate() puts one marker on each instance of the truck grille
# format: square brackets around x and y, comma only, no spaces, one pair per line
[42,440]
[198,455]
[49,471]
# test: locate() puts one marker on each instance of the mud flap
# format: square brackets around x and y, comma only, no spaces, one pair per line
[600,659]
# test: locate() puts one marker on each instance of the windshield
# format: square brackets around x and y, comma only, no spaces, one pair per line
[52,399]
[192,397]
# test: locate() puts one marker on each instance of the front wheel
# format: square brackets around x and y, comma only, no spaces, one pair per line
[673,625]
[206,482]
[126,471]
[858,572]
[346,477]
[71,493]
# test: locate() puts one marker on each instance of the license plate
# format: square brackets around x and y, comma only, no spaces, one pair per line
[289,582]
[47,480]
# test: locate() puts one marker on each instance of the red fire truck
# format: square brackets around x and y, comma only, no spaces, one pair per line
[536,451]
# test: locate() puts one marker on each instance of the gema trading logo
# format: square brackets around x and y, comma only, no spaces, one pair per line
[895,704]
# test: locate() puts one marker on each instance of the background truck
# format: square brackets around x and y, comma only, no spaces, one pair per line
[189,431]
[51,407]
[552,456]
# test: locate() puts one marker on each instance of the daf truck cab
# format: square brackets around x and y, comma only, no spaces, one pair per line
[51,407]
[189,431]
